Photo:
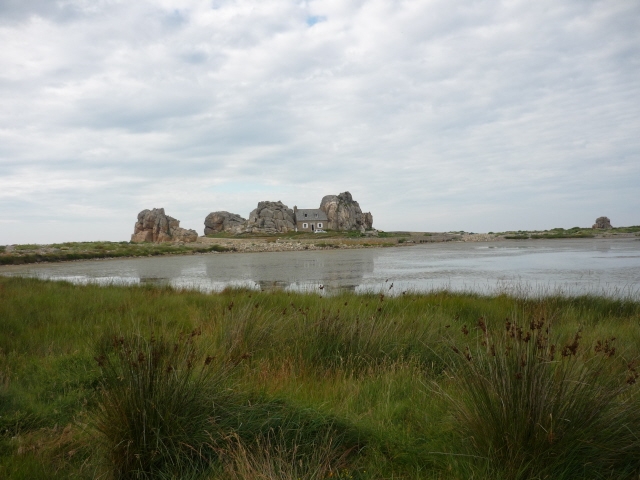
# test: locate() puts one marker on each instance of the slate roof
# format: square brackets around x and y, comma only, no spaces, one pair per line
[312,214]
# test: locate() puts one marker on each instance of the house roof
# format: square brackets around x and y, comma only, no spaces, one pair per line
[311,214]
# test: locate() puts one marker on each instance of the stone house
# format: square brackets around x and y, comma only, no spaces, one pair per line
[309,219]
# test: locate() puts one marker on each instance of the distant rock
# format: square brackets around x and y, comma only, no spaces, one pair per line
[155,226]
[270,217]
[222,221]
[602,223]
[184,235]
[344,213]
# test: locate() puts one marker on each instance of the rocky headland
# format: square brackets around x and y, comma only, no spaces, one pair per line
[342,211]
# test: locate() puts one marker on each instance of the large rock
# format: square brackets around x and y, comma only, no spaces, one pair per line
[344,213]
[270,217]
[602,223]
[155,226]
[217,222]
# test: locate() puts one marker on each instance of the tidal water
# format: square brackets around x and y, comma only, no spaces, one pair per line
[531,267]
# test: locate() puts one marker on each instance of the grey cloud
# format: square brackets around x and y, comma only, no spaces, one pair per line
[21,10]
[454,115]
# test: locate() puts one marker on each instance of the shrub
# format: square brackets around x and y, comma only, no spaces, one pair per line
[533,408]
[153,414]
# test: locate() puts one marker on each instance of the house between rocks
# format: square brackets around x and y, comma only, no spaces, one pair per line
[309,219]
[336,212]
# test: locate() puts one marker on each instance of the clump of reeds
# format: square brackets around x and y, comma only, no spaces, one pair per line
[154,414]
[533,407]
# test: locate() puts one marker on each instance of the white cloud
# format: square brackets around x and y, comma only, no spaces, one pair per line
[435,115]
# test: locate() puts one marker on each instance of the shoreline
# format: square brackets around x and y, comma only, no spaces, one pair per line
[16,255]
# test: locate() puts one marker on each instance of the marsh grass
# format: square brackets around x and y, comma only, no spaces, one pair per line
[24,254]
[346,386]
[534,405]
[166,410]
[153,413]
[273,457]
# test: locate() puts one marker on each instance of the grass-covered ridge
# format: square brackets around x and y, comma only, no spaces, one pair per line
[575,232]
[142,382]
[60,252]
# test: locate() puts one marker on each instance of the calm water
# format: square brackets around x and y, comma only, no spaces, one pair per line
[579,266]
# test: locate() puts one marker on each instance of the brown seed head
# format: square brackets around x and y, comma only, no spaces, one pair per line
[467,354]
[482,325]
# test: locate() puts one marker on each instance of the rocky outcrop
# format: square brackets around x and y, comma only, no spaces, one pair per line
[155,226]
[270,217]
[344,213]
[183,235]
[602,223]
[222,221]
[368,221]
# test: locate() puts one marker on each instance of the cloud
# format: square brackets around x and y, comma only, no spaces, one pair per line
[436,116]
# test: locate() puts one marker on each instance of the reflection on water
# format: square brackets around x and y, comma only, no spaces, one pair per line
[569,266]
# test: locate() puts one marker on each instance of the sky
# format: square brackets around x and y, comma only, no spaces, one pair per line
[437,115]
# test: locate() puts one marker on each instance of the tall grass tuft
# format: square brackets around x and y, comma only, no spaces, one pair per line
[532,407]
[153,415]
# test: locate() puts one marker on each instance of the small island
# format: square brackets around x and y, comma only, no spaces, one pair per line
[156,233]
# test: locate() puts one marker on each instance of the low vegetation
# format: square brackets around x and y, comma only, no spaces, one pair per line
[151,382]
[575,232]
[332,234]
[60,252]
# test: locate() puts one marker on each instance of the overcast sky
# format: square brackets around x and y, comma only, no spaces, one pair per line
[436,115]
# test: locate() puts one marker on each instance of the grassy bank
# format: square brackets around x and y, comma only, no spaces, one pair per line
[61,252]
[142,382]
[293,235]
[575,232]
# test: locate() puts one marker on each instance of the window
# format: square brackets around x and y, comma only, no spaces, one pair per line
[315,215]
[305,225]
[319,225]
[305,215]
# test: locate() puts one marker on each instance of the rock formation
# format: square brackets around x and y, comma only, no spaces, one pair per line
[155,226]
[217,222]
[602,223]
[271,217]
[344,213]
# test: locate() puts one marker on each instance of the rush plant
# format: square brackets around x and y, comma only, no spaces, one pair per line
[530,406]
[154,415]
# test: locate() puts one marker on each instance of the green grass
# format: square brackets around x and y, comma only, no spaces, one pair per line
[575,232]
[89,250]
[292,235]
[632,229]
[530,407]
[141,382]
